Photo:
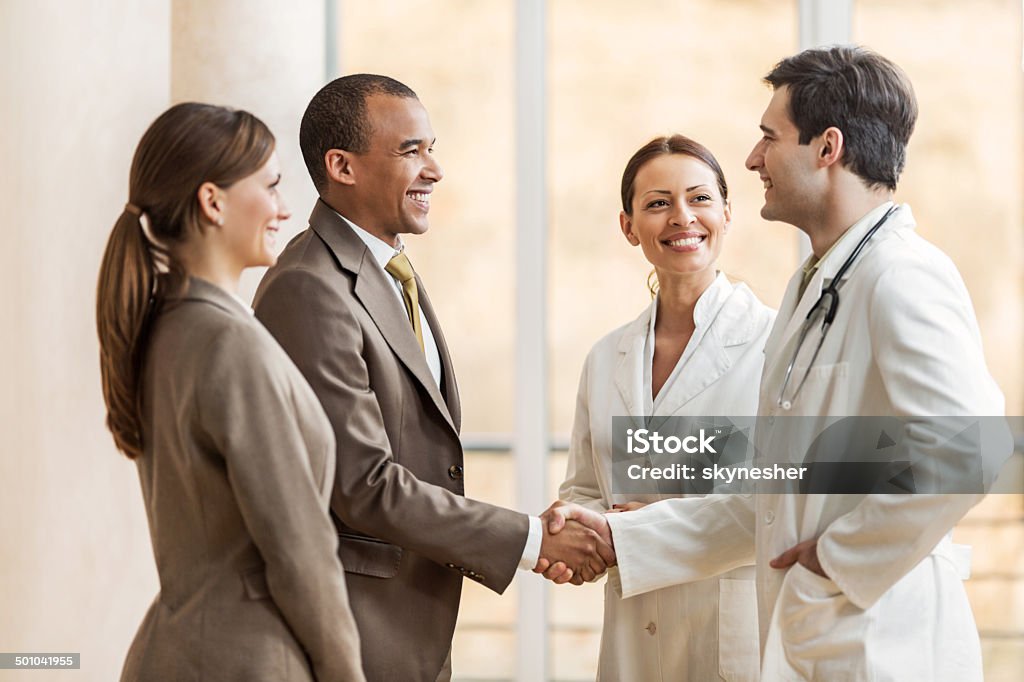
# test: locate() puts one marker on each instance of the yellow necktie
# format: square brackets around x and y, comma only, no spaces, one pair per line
[400,268]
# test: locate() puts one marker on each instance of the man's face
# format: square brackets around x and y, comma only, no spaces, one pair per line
[395,176]
[788,169]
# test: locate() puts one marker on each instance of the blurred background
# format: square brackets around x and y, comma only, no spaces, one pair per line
[537,106]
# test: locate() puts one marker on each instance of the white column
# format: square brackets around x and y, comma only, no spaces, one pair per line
[825,22]
[531,444]
[261,56]
[822,22]
[80,82]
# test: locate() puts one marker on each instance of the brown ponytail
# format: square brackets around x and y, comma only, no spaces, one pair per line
[187,145]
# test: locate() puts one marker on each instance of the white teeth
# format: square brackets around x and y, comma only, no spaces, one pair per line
[689,241]
[420,196]
[767,184]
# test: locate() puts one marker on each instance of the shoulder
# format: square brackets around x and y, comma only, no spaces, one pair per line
[619,339]
[904,264]
[744,318]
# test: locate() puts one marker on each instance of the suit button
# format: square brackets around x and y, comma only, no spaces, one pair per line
[450,565]
[651,628]
[455,472]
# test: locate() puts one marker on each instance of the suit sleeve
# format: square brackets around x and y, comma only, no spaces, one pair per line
[245,407]
[580,484]
[928,351]
[373,493]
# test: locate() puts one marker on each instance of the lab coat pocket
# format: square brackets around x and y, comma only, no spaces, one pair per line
[817,624]
[824,392]
[738,645]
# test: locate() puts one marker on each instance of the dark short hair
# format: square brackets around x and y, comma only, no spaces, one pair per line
[662,146]
[336,119]
[862,93]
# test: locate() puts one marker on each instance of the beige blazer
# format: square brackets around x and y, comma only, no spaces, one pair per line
[408,535]
[236,475]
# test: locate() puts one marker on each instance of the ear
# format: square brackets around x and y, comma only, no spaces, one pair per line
[211,203]
[626,225]
[339,166]
[831,147]
[728,216]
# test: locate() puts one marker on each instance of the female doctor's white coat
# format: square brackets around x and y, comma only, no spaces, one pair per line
[705,630]
[905,343]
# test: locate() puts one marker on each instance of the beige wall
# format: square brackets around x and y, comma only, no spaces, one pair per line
[254,55]
[81,81]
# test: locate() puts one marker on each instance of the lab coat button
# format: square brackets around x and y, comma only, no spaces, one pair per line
[651,628]
[769,517]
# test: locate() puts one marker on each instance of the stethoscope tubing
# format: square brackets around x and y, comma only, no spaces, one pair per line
[832,293]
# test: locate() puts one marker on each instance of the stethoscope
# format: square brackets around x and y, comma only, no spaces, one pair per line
[828,302]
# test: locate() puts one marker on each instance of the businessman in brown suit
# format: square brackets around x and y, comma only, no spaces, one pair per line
[345,304]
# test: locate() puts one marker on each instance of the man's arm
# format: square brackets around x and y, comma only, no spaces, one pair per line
[926,343]
[669,542]
[373,493]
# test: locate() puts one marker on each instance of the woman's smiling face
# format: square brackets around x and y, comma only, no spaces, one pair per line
[679,217]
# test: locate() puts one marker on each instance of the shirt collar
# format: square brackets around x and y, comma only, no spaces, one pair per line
[812,264]
[382,251]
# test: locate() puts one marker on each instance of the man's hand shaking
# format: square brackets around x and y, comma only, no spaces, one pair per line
[577,544]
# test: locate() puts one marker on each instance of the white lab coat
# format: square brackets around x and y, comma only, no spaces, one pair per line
[700,631]
[904,343]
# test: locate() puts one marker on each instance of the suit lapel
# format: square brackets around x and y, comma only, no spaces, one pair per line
[791,315]
[451,389]
[373,288]
[716,310]
[629,373]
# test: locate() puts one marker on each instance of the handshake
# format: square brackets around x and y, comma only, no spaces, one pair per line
[577,546]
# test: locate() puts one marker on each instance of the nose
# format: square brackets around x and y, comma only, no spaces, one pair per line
[432,169]
[283,212]
[756,157]
[683,215]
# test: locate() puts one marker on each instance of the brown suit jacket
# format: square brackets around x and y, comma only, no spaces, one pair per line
[408,535]
[236,476]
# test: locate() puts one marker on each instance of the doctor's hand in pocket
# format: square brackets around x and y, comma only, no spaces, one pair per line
[804,553]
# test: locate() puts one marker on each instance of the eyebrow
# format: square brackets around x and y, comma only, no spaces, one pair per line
[665,191]
[415,142]
[766,129]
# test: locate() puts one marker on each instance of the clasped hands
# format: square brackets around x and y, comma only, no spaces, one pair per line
[577,545]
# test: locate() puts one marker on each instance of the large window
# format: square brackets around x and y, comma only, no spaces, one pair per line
[618,74]
[964,180]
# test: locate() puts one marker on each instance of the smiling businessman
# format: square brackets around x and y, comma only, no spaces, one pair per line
[346,305]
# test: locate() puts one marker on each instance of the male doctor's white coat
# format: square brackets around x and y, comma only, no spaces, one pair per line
[705,630]
[905,343]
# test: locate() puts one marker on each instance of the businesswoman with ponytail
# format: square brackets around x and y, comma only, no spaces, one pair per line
[233,450]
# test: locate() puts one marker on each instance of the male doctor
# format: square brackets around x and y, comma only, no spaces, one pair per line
[850,586]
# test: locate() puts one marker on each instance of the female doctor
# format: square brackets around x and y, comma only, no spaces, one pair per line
[696,351]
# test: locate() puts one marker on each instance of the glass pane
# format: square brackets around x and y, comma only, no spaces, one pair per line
[964,177]
[620,75]
[465,79]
